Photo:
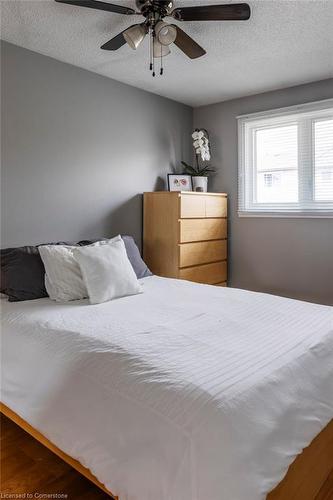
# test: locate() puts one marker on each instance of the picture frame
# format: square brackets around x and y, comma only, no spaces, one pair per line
[179,182]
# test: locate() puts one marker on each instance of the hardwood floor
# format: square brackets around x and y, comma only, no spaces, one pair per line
[28,467]
[326,493]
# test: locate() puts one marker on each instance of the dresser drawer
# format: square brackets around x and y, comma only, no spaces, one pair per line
[202,229]
[194,206]
[192,254]
[216,206]
[207,273]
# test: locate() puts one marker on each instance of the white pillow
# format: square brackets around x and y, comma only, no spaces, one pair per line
[63,277]
[107,272]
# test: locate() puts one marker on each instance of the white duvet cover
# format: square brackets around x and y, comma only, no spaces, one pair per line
[185,392]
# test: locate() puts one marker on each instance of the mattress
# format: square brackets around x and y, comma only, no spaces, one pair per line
[185,392]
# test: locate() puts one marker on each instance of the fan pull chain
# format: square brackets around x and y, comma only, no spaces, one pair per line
[152,36]
[153,52]
[150,50]
[161,63]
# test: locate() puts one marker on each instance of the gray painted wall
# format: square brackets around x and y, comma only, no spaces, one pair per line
[291,257]
[78,149]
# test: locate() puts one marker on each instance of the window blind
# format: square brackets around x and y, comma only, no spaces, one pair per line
[286,161]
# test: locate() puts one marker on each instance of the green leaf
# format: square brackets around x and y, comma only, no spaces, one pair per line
[199,171]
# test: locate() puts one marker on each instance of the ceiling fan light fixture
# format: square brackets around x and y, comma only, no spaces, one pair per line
[160,50]
[162,34]
[135,35]
[165,33]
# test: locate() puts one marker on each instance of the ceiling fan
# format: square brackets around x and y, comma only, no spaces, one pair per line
[162,34]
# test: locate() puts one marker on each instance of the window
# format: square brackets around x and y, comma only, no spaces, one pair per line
[323,159]
[286,161]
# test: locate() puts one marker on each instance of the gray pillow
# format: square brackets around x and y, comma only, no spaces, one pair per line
[22,269]
[22,274]
[140,267]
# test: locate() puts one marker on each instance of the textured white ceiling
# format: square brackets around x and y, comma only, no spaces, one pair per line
[285,43]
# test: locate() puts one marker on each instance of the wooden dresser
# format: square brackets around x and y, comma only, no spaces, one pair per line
[185,235]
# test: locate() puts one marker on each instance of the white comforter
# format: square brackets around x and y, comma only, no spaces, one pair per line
[186,392]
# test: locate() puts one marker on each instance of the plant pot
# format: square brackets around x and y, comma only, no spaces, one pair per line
[200,183]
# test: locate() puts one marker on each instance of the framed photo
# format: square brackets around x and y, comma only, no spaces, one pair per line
[179,182]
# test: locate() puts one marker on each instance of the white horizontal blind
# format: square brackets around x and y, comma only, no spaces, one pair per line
[286,161]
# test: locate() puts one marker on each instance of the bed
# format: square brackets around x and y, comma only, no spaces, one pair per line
[184,392]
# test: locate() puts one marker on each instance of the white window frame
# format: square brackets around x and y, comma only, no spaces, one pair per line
[306,206]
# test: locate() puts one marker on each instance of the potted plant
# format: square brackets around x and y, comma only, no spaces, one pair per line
[202,151]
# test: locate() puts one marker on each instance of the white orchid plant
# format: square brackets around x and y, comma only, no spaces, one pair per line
[202,150]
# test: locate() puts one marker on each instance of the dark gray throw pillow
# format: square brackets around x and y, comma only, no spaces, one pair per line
[22,274]
[22,269]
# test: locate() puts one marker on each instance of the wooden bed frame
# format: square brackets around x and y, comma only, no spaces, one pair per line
[303,481]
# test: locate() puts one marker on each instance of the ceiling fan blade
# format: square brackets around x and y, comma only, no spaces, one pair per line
[115,43]
[227,12]
[189,46]
[94,4]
